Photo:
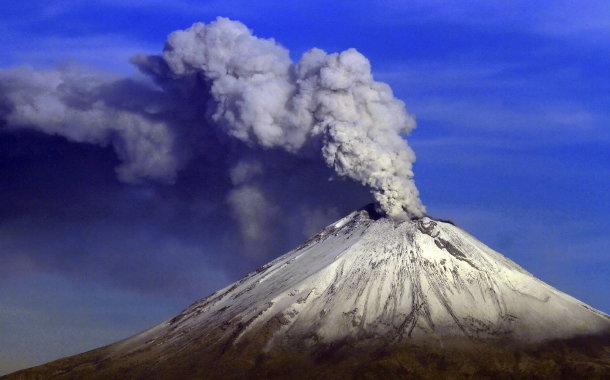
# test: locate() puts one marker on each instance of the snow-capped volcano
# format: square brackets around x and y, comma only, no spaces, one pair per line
[376,278]
[365,281]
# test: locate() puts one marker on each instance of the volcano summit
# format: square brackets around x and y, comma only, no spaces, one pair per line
[368,297]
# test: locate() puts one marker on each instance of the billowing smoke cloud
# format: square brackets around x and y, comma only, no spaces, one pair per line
[69,103]
[220,93]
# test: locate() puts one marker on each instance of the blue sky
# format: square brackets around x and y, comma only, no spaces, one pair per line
[513,144]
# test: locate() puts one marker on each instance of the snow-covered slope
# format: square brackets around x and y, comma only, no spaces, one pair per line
[368,297]
[365,278]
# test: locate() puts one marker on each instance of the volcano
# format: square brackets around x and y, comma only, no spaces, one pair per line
[367,297]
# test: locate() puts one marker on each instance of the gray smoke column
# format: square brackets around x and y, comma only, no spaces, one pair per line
[325,102]
[216,82]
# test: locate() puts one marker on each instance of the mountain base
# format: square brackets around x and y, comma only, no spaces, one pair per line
[576,358]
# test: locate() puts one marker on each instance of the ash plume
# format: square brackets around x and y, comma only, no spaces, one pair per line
[217,92]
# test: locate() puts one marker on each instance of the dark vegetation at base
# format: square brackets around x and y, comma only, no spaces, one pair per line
[578,358]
